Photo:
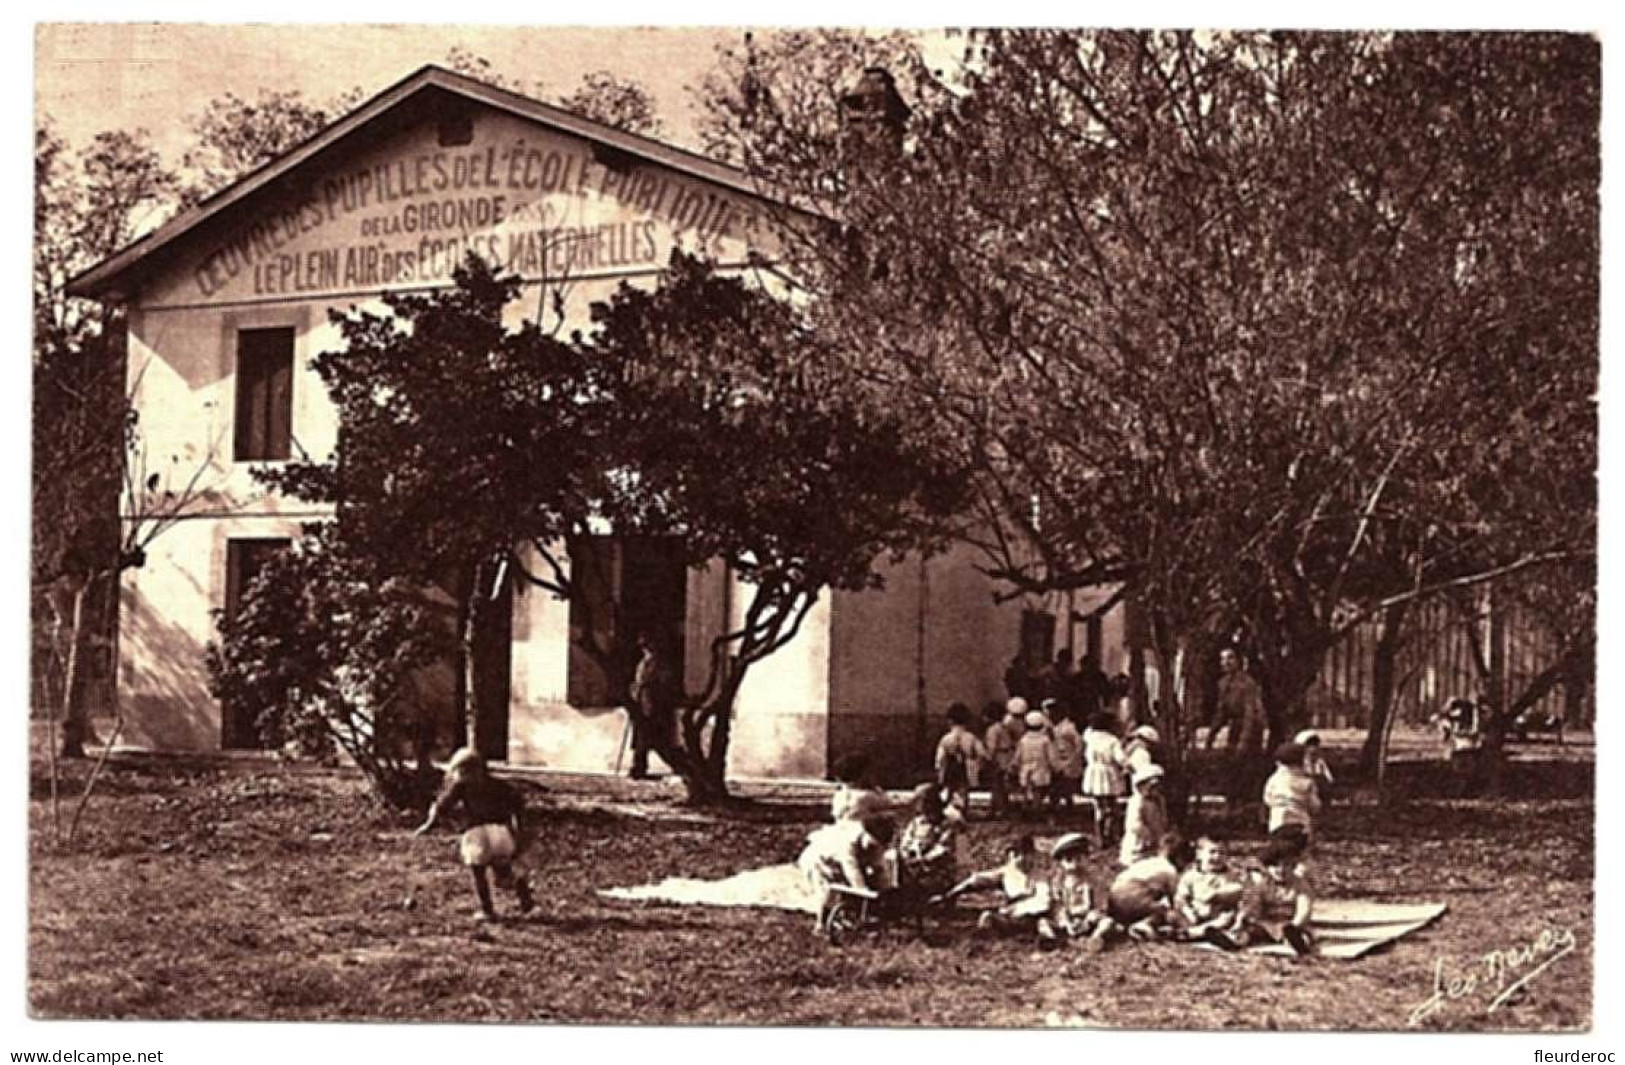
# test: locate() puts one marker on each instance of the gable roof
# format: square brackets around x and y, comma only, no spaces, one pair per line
[109,276]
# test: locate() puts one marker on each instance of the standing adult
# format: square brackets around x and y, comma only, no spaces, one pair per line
[652,692]
[1240,706]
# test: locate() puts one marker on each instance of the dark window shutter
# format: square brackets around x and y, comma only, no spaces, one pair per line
[264,416]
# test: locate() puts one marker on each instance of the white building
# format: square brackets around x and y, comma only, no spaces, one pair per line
[229,303]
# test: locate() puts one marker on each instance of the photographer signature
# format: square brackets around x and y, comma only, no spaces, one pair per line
[1502,971]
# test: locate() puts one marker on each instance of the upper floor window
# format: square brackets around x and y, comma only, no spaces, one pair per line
[264,395]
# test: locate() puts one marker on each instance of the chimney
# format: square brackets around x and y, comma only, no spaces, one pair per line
[873,116]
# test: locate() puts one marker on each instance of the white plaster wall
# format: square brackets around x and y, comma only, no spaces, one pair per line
[166,618]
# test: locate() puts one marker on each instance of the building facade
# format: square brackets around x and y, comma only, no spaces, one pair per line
[230,302]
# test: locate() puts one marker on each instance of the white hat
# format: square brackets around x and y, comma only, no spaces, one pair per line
[463,758]
[1146,732]
[1017,706]
[1072,841]
[1035,719]
[1306,737]
[1147,772]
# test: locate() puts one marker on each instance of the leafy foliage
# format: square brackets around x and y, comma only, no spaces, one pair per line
[619,102]
[701,411]
[1255,322]
[234,136]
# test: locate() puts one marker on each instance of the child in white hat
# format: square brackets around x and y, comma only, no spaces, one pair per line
[1314,762]
[1035,761]
[493,840]
[1147,817]
[1290,794]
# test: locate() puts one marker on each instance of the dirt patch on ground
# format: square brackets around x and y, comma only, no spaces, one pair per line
[286,894]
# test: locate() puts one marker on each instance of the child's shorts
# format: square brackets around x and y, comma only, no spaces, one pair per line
[488,845]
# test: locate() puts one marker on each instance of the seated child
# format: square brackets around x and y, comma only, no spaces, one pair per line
[1207,896]
[1073,913]
[1026,897]
[928,849]
[1277,902]
[852,853]
[493,810]
[1290,794]
[856,798]
[1142,897]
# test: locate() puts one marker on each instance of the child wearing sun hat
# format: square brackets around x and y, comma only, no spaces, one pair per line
[1146,819]
[1314,763]
[1035,760]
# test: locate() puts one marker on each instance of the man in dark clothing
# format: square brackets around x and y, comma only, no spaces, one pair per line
[651,694]
[1240,706]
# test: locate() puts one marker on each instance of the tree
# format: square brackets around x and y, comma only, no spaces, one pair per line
[618,102]
[233,136]
[87,205]
[326,651]
[732,428]
[458,440]
[1235,319]
[623,103]
[697,412]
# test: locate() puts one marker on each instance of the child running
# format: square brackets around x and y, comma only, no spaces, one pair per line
[494,811]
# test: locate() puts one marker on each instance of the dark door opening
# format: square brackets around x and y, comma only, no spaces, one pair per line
[244,560]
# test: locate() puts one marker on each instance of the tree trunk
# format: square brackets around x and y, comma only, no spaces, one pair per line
[76,710]
[1492,753]
[1384,669]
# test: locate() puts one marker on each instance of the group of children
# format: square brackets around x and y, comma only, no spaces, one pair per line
[1038,757]
[1166,888]
[1180,891]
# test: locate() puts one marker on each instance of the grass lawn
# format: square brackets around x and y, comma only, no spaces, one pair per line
[277,893]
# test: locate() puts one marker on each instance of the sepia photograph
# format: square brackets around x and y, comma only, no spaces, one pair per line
[817,527]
